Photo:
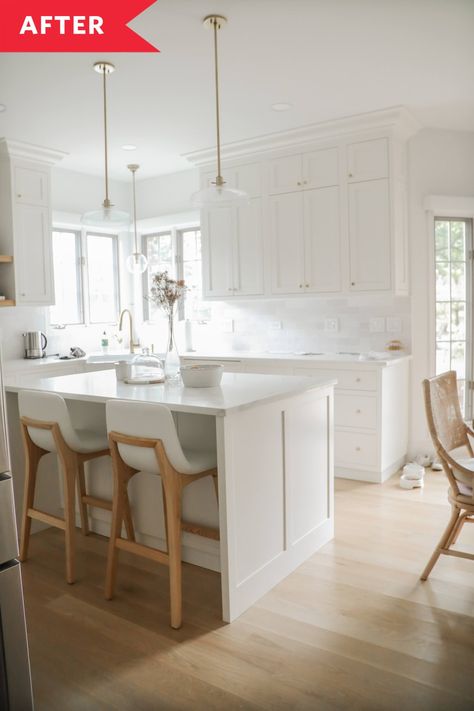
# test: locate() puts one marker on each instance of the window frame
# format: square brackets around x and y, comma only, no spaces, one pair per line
[176,233]
[441,216]
[83,272]
[79,273]
[116,272]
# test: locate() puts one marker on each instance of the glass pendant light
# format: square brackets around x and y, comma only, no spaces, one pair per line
[218,195]
[107,215]
[136,262]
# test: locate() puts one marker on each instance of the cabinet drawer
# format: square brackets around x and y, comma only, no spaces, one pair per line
[346,379]
[355,410]
[31,185]
[355,449]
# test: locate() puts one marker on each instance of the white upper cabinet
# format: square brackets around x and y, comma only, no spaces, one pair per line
[232,239]
[31,185]
[315,169]
[25,221]
[305,235]
[286,228]
[285,174]
[248,277]
[322,216]
[218,235]
[327,218]
[369,236]
[321,168]
[367,160]
[33,256]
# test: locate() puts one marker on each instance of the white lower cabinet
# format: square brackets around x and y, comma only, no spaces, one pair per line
[370,409]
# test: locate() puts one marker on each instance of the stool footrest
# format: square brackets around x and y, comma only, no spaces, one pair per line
[98,503]
[47,518]
[199,530]
[142,550]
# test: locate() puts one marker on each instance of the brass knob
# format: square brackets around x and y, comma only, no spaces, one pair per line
[357,449]
[350,175]
[298,183]
[357,380]
[353,283]
[358,412]
[305,182]
[307,285]
[19,195]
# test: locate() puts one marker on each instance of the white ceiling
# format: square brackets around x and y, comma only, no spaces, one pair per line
[329,58]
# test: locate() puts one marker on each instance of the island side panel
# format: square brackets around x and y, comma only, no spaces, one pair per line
[275,492]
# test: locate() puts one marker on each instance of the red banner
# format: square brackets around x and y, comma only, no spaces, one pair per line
[72,26]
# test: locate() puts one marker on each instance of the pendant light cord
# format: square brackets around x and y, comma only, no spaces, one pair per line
[219,178]
[135,214]
[106,201]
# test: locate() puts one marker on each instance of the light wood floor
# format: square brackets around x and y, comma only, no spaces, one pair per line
[352,628]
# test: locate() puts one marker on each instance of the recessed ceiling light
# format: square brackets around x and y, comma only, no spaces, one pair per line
[2,108]
[129,147]
[281,106]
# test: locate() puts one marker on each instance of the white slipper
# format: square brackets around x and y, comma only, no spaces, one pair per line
[406,483]
[437,467]
[413,471]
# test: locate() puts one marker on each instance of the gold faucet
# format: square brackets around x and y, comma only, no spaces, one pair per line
[133,345]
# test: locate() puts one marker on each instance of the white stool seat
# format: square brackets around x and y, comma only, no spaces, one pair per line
[91,441]
[154,421]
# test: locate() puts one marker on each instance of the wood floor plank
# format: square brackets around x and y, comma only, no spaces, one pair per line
[352,628]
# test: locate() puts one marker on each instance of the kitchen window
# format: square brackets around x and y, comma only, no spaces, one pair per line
[453,269]
[86,281]
[177,251]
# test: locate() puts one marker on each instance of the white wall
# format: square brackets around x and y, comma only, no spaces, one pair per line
[440,163]
[166,194]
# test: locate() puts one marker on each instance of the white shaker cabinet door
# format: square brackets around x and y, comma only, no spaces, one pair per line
[33,255]
[248,250]
[30,185]
[322,240]
[367,160]
[286,230]
[321,168]
[369,236]
[285,174]
[217,232]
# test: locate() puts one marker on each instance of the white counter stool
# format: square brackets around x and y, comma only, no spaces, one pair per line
[46,427]
[143,437]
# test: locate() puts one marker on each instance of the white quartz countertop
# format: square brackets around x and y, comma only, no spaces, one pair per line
[236,392]
[381,359]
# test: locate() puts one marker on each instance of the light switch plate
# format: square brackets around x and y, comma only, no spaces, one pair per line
[377,324]
[331,324]
[394,324]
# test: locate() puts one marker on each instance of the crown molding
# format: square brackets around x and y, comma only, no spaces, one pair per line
[29,151]
[396,119]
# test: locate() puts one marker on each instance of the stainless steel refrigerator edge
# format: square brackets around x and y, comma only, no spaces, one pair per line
[15,678]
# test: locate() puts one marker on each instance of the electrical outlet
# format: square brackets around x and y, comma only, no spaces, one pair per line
[331,324]
[377,324]
[394,324]
[276,326]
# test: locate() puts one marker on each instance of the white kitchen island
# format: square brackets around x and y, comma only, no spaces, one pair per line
[274,441]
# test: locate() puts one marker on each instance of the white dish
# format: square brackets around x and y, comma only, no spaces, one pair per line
[205,375]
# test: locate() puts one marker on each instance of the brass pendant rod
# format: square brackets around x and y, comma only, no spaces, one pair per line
[106,156]
[135,214]
[219,178]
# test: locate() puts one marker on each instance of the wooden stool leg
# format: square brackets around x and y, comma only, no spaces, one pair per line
[172,491]
[118,502]
[127,515]
[81,489]
[69,466]
[443,542]
[33,455]
[216,486]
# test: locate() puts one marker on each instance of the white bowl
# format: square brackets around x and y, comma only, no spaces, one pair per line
[207,375]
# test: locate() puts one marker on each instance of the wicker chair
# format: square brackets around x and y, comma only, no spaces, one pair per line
[449,432]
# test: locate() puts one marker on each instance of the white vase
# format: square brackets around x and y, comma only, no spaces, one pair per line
[172,362]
